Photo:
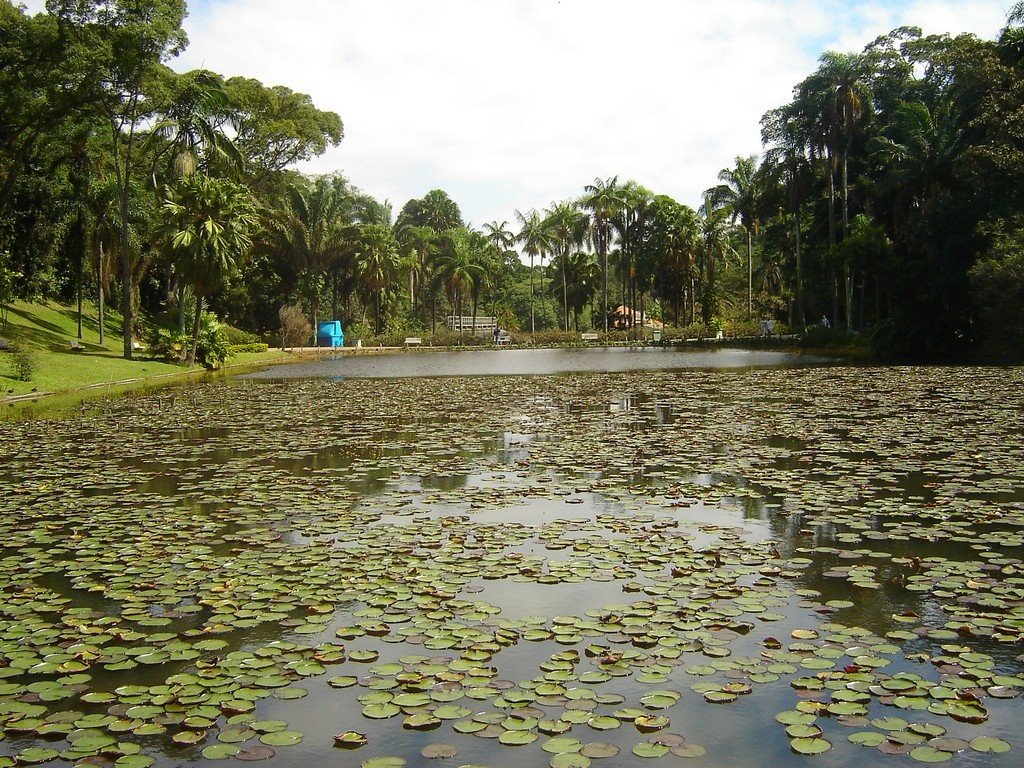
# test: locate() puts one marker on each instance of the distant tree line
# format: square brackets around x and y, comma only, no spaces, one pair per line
[889,200]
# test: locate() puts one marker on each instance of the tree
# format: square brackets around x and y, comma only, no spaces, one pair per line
[275,128]
[210,224]
[456,268]
[602,199]
[132,38]
[716,245]
[313,230]
[378,263]
[567,229]
[741,193]
[435,210]
[536,240]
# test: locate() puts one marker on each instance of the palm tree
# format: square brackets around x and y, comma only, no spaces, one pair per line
[420,244]
[500,235]
[313,230]
[378,263]
[1016,15]
[740,193]
[536,240]
[628,222]
[456,269]
[786,162]
[716,237]
[602,199]
[191,126]
[846,102]
[210,223]
[567,229]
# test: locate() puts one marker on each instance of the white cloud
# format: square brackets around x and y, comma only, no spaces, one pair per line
[512,104]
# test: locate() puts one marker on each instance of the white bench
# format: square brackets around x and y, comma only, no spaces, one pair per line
[503,339]
[413,341]
[589,336]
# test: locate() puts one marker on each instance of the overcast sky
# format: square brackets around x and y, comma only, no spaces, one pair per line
[511,104]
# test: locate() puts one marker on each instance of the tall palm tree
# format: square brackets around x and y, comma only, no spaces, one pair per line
[786,162]
[602,199]
[210,223]
[628,219]
[314,229]
[716,237]
[500,235]
[191,126]
[845,104]
[567,229]
[456,268]
[378,262]
[536,240]
[420,244]
[740,193]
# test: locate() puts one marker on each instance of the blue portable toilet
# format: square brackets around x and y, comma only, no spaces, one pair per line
[329,334]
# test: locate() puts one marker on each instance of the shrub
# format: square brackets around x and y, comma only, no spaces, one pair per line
[172,345]
[238,337]
[212,349]
[168,344]
[23,362]
[295,327]
[236,349]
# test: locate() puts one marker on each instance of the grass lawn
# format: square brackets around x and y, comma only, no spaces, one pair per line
[44,330]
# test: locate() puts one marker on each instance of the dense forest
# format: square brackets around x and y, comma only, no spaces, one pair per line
[888,200]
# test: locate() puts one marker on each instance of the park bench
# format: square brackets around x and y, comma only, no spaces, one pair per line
[76,346]
[413,341]
[5,345]
[589,336]
[503,339]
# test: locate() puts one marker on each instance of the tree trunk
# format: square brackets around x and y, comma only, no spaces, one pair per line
[750,274]
[99,293]
[847,276]
[565,288]
[179,280]
[604,279]
[800,316]
[81,262]
[190,358]
[533,319]
[314,304]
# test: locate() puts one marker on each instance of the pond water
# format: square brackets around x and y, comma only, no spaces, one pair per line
[757,564]
[536,362]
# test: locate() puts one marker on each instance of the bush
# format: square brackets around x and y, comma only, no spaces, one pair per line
[237,337]
[168,344]
[212,349]
[236,349]
[295,326]
[172,345]
[23,362]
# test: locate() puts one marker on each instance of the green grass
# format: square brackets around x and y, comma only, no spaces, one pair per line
[44,330]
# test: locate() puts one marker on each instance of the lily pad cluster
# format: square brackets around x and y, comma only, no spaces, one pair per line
[598,568]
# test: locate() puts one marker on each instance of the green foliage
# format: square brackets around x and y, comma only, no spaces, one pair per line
[257,347]
[296,330]
[238,337]
[997,283]
[213,348]
[22,362]
[168,344]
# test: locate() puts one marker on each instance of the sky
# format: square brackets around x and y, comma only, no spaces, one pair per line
[515,104]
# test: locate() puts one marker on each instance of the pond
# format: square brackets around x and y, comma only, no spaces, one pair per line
[758,565]
[535,362]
